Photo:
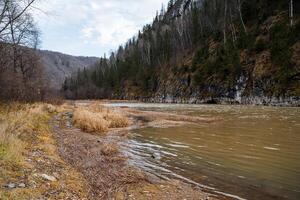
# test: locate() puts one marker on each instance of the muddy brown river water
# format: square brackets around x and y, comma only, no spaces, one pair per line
[253,153]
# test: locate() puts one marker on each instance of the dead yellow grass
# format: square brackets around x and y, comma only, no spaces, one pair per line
[116,120]
[89,121]
[19,121]
[98,119]
[96,107]
[18,127]
[10,146]
[24,129]
[131,175]
[109,149]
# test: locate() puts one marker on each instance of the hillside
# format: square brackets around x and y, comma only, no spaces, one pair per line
[57,66]
[204,51]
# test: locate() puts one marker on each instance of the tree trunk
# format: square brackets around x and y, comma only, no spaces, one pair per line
[225,18]
[291,12]
[14,44]
[241,16]
[233,30]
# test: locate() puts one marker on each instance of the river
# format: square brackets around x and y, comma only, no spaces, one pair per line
[252,153]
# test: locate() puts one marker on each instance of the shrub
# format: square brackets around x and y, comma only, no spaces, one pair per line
[281,53]
[116,120]
[89,121]
[245,41]
[200,57]
[280,44]
[223,68]
[260,45]
[98,119]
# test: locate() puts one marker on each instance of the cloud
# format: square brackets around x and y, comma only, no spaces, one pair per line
[100,25]
[60,12]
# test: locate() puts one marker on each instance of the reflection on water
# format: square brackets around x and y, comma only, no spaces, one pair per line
[253,153]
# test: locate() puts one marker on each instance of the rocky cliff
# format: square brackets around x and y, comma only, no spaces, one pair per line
[205,51]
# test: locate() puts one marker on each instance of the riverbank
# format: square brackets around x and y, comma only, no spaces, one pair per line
[30,167]
[56,160]
[109,176]
[238,100]
[98,157]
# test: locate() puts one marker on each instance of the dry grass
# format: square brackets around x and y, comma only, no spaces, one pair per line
[11,147]
[131,175]
[50,108]
[89,121]
[18,127]
[98,119]
[18,121]
[24,131]
[96,107]
[116,120]
[109,149]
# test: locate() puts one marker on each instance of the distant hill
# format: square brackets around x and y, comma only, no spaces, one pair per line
[58,66]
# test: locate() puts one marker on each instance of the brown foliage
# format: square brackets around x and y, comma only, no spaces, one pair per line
[25,82]
[98,119]
[20,67]
[90,122]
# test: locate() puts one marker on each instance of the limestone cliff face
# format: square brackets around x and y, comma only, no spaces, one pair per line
[256,85]
[204,51]
[270,74]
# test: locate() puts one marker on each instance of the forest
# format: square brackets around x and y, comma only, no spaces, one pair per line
[124,126]
[202,49]
[20,68]
[197,49]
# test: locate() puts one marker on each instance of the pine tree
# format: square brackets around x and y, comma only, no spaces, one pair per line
[170,4]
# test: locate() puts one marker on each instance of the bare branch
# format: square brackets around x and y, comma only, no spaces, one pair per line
[18,15]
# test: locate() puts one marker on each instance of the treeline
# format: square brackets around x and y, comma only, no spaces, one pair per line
[20,68]
[195,48]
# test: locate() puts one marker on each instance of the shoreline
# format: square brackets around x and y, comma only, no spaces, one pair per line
[94,165]
[255,101]
[113,167]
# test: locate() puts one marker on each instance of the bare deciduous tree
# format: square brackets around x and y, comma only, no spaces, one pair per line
[7,7]
[291,13]
[240,14]
[225,21]
[19,65]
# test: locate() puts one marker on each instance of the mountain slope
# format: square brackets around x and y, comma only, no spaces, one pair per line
[205,51]
[57,66]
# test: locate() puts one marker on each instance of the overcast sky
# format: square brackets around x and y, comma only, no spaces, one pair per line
[92,27]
